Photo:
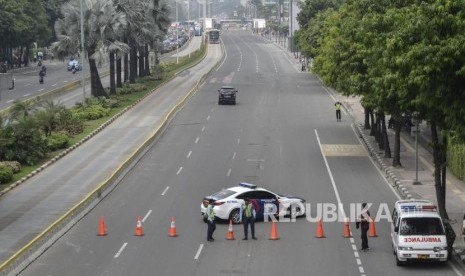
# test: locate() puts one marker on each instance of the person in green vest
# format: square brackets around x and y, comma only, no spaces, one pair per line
[210,217]
[248,215]
[338,111]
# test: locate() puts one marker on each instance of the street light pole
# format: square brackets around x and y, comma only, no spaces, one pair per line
[416,182]
[177,33]
[82,55]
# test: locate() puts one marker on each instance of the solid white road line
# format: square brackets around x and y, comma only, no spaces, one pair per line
[40,90]
[120,250]
[54,84]
[333,183]
[26,95]
[338,198]
[179,171]
[198,251]
[456,270]
[189,154]
[165,190]
[147,215]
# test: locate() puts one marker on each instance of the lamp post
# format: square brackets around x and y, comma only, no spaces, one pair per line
[416,115]
[177,33]
[82,55]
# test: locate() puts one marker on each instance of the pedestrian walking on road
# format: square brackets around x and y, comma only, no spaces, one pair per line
[338,111]
[364,224]
[248,215]
[210,217]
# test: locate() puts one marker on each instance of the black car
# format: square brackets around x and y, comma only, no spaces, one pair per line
[227,94]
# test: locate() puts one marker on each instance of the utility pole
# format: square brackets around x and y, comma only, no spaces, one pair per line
[83,51]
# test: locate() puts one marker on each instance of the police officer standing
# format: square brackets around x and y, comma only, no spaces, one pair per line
[364,225]
[338,111]
[210,216]
[248,215]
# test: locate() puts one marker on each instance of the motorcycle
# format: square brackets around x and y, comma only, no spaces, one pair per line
[41,76]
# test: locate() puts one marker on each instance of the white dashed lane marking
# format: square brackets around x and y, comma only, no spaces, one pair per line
[189,154]
[121,250]
[165,190]
[198,251]
[179,171]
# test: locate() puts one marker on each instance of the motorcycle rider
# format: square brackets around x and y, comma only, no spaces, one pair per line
[41,76]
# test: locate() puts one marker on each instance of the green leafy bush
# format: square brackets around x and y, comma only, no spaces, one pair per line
[15,166]
[57,140]
[6,174]
[91,112]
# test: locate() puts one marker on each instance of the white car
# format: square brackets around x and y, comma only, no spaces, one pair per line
[227,202]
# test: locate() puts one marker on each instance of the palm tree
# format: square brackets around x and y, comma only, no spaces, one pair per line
[160,13]
[102,23]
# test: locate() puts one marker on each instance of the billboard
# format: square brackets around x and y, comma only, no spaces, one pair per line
[259,23]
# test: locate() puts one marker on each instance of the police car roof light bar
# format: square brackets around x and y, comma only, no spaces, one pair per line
[248,185]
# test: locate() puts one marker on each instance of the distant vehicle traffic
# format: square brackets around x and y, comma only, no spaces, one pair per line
[77,66]
[214,36]
[198,30]
[227,202]
[227,94]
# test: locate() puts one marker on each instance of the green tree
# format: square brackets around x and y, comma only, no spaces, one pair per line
[101,23]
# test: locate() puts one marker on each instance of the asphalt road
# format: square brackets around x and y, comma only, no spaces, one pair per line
[281,135]
[27,80]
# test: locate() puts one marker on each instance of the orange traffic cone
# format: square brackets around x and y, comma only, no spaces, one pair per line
[319,230]
[274,232]
[230,235]
[173,228]
[102,230]
[347,233]
[139,231]
[372,232]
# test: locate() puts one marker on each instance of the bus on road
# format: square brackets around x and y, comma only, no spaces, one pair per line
[214,36]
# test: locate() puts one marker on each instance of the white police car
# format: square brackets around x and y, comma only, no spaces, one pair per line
[227,202]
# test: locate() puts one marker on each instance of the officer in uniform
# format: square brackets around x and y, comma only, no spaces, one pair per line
[364,225]
[210,216]
[248,215]
[338,111]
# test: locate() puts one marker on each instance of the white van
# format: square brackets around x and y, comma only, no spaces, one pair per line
[417,232]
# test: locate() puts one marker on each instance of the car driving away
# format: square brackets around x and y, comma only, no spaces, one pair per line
[227,94]
[227,202]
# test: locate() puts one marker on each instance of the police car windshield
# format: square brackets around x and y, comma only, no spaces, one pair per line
[223,194]
[421,226]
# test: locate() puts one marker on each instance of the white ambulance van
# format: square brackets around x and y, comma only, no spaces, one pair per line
[417,232]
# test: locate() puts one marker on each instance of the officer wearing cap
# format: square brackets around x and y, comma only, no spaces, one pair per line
[248,215]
